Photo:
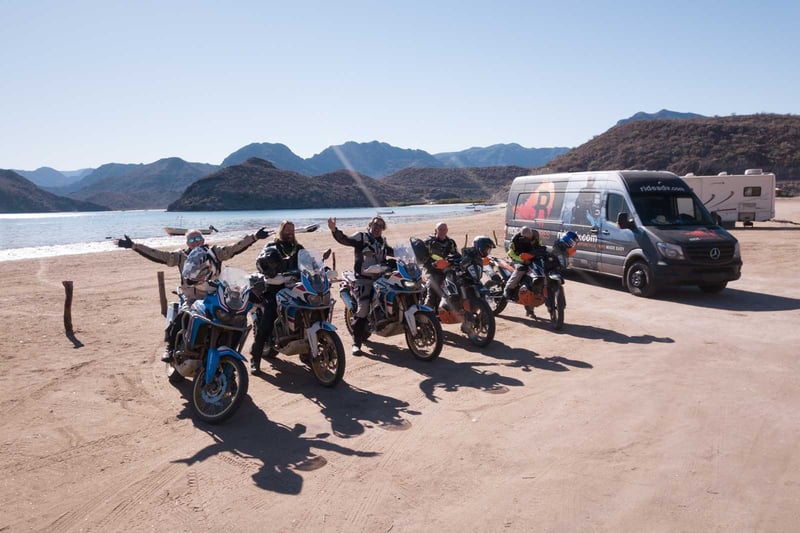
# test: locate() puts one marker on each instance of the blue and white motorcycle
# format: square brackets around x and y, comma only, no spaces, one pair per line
[303,325]
[209,344]
[396,305]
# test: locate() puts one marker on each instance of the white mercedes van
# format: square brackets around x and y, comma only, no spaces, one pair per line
[646,227]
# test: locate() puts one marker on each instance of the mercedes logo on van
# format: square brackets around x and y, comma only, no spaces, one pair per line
[714,253]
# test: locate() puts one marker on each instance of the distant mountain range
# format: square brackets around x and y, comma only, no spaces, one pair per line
[270,175]
[20,195]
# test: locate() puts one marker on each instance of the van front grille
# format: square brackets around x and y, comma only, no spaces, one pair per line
[709,254]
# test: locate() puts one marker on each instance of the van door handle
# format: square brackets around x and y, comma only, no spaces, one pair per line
[606,232]
[594,230]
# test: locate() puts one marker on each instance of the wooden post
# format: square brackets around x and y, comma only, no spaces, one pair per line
[495,238]
[334,260]
[68,307]
[162,292]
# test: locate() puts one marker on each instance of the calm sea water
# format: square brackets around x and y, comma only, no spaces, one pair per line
[24,236]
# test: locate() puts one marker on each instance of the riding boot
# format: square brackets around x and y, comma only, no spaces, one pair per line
[255,364]
[360,327]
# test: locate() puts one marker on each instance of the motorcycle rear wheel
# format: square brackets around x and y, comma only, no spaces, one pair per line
[348,320]
[328,365]
[426,342]
[173,375]
[217,401]
[497,302]
[482,324]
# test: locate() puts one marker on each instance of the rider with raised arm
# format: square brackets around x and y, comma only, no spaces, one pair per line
[194,239]
[369,248]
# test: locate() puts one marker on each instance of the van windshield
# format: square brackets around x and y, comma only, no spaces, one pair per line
[670,210]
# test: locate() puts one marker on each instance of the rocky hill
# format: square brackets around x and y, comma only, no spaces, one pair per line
[664,114]
[258,184]
[20,195]
[478,184]
[702,146]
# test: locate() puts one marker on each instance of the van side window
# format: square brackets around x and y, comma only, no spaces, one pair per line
[615,204]
[752,191]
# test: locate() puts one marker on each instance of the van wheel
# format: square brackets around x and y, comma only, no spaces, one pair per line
[639,280]
[714,289]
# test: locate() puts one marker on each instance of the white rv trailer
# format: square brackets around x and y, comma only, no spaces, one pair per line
[745,198]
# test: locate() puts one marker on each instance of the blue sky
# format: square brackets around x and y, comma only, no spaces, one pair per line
[91,82]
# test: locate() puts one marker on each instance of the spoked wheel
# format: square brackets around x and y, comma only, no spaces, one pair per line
[426,342]
[173,375]
[557,310]
[479,325]
[218,400]
[328,365]
[348,320]
[497,302]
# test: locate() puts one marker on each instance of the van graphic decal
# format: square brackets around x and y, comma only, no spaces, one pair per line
[541,203]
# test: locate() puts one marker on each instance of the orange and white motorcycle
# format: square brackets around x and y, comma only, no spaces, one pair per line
[543,283]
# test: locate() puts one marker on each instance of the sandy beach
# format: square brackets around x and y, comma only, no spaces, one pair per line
[678,413]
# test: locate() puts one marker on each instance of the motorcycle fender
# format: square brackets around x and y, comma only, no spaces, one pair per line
[214,355]
[311,335]
[411,311]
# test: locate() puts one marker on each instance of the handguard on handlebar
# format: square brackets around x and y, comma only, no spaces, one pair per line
[441,264]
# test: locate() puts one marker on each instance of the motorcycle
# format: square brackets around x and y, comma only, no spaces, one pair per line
[543,283]
[464,299]
[395,306]
[209,343]
[303,324]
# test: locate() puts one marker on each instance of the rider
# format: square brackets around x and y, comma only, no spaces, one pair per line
[524,242]
[481,248]
[194,239]
[370,248]
[276,257]
[440,247]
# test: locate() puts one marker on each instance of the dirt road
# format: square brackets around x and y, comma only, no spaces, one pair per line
[672,414]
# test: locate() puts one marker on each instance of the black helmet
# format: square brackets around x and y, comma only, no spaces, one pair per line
[269,261]
[483,244]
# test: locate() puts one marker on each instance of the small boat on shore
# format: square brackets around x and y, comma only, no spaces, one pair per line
[385,211]
[182,231]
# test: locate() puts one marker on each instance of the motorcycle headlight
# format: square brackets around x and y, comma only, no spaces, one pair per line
[226,317]
[670,251]
[410,284]
[314,299]
[736,251]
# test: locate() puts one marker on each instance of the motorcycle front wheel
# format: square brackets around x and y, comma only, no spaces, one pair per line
[218,400]
[557,311]
[480,325]
[426,342]
[328,365]
[497,302]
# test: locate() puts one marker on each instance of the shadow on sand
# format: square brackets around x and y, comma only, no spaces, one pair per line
[251,440]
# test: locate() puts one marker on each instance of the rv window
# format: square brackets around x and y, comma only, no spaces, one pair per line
[752,191]
[615,204]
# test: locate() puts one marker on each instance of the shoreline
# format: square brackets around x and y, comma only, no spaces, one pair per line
[171,242]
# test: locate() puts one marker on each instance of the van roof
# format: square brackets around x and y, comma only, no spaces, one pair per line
[662,174]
